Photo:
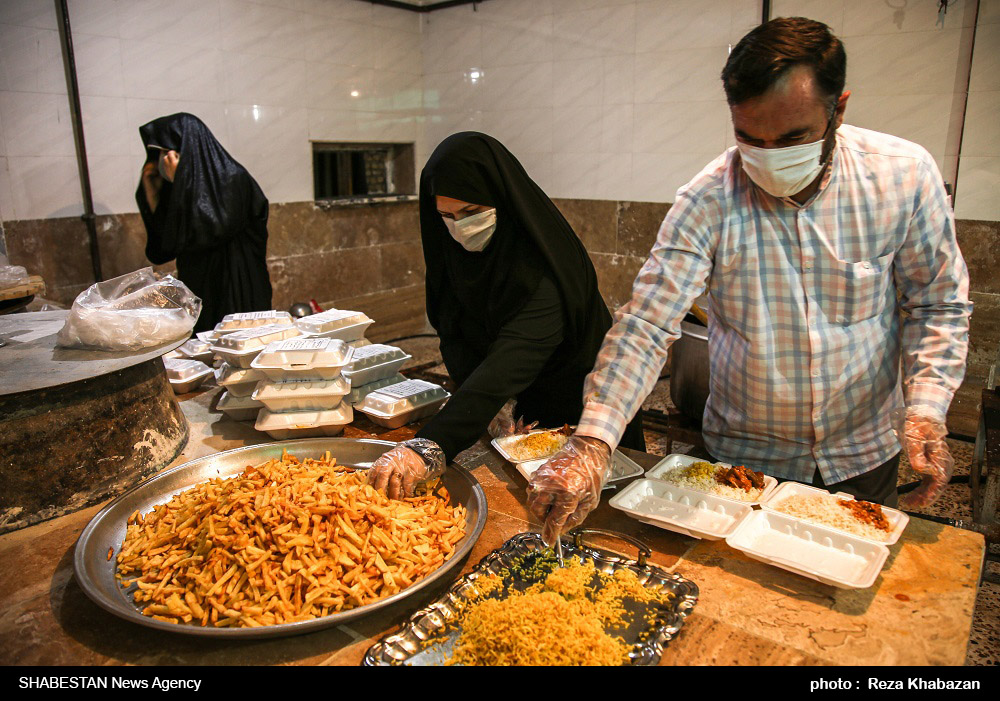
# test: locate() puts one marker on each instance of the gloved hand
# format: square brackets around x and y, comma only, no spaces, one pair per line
[922,436]
[568,487]
[402,468]
[503,423]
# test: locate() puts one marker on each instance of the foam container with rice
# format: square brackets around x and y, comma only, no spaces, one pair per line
[671,468]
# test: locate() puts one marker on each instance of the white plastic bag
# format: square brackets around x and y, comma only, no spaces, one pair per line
[11,275]
[137,310]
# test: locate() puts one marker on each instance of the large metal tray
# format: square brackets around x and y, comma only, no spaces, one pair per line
[423,640]
[96,572]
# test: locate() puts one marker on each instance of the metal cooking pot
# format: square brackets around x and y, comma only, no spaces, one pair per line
[689,370]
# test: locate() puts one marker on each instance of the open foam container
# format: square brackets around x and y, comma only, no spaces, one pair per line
[817,552]
[304,424]
[303,358]
[239,408]
[185,374]
[310,395]
[335,323]
[398,404]
[897,519]
[676,460]
[679,509]
[504,442]
[374,362]
[622,468]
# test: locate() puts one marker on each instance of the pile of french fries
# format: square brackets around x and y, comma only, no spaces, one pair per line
[282,542]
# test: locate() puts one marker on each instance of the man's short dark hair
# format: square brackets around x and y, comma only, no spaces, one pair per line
[768,52]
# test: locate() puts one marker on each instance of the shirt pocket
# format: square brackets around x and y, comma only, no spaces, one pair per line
[858,289]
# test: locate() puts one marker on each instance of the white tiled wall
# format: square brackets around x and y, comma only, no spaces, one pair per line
[266,76]
[601,99]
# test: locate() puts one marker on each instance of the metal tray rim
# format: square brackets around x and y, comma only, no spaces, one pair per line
[127,612]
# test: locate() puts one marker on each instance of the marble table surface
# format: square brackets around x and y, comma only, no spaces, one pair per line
[918,612]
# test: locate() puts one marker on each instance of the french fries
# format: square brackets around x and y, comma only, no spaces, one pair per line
[282,542]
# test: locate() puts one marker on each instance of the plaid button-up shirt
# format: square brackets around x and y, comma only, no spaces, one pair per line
[805,334]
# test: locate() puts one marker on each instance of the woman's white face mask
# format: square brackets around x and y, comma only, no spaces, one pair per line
[473,232]
[783,172]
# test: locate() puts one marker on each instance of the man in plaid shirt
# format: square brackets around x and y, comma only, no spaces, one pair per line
[809,237]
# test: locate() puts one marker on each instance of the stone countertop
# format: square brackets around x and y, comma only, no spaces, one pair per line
[918,612]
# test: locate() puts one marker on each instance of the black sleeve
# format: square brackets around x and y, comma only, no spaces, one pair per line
[523,347]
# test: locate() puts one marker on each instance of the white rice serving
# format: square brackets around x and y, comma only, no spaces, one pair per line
[827,512]
[693,478]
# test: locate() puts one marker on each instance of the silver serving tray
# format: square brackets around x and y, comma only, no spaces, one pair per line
[411,646]
[96,573]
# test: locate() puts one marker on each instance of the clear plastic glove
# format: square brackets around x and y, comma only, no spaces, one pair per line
[503,423]
[922,436]
[401,469]
[568,487]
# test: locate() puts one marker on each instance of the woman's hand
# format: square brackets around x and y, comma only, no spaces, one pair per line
[568,487]
[168,164]
[151,184]
[401,469]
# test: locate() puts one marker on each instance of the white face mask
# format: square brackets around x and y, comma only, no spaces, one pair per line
[473,232]
[783,172]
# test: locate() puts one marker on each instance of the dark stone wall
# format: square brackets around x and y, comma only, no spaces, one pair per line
[368,257]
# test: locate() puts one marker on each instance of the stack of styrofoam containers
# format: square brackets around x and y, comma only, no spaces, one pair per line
[303,388]
[398,404]
[241,347]
[372,367]
[239,383]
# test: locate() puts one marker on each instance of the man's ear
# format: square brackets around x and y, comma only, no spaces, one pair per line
[841,108]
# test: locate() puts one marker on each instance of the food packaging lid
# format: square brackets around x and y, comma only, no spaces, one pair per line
[373,354]
[229,401]
[249,320]
[228,374]
[304,354]
[269,420]
[897,519]
[311,388]
[330,320]
[207,336]
[249,339]
[681,510]
[184,368]
[360,343]
[824,554]
[360,392]
[396,399]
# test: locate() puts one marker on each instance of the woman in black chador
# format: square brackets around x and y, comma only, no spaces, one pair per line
[204,209]
[514,298]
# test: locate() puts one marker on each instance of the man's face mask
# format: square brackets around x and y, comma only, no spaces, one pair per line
[783,172]
[473,232]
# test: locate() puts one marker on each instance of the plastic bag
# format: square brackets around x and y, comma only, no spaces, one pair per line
[921,431]
[137,310]
[11,275]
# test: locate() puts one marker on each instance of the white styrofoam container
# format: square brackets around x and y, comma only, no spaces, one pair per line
[303,358]
[360,343]
[680,510]
[622,468]
[335,323]
[399,404]
[185,375]
[174,354]
[197,349]
[676,460]
[304,424]
[311,395]
[206,336]
[897,519]
[503,442]
[240,382]
[817,552]
[241,347]
[239,408]
[374,362]
[358,393]
[249,320]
